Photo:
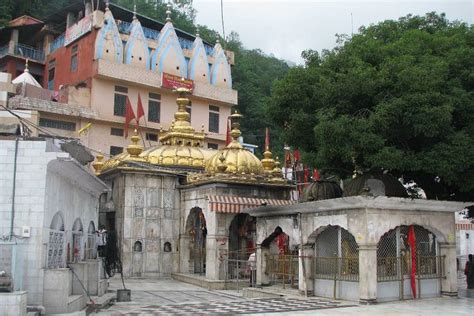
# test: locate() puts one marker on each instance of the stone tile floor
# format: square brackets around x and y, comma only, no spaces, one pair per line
[169,297]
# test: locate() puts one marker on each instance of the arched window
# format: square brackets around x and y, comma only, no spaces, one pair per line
[137,246]
[91,249]
[167,247]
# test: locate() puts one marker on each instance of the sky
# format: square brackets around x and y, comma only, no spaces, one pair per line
[285,28]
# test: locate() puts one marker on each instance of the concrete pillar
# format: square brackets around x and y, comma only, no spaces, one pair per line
[262,276]
[184,250]
[216,247]
[305,277]
[13,41]
[368,273]
[69,19]
[449,285]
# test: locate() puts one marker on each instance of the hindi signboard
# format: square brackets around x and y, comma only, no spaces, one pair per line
[78,29]
[170,81]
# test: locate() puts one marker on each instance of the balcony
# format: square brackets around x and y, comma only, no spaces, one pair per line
[130,74]
[57,43]
[29,52]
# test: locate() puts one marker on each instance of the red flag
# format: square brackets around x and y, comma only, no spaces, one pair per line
[140,111]
[267,139]
[296,154]
[129,115]
[228,139]
[411,243]
[306,175]
[316,175]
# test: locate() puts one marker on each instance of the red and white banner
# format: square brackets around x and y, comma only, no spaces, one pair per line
[170,81]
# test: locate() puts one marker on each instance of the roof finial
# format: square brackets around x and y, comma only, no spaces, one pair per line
[197,34]
[26,66]
[168,12]
[134,10]
[106,5]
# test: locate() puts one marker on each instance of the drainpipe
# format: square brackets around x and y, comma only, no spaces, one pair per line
[14,189]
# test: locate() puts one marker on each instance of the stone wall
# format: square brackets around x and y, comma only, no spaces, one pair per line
[13,304]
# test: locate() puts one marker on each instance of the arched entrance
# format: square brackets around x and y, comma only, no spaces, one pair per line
[408,264]
[336,263]
[77,232]
[56,243]
[281,264]
[91,249]
[242,235]
[196,228]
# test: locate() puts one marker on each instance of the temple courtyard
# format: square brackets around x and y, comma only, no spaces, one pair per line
[171,297]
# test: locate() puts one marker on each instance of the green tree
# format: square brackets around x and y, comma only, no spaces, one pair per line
[398,95]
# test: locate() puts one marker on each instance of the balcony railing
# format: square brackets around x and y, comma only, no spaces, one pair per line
[57,43]
[29,52]
[125,28]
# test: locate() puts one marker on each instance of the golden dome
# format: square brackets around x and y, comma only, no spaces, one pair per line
[237,159]
[181,145]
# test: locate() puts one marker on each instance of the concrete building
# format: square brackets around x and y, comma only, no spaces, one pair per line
[357,246]
[88,67]
[48,217]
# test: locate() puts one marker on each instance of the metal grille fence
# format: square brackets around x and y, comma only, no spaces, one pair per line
[283,269]
[240,269]
[394,257]
[337,255]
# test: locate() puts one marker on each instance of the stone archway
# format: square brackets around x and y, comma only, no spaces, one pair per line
[242,236]
[398,264]
[91,248]
[77,235]
[196,229]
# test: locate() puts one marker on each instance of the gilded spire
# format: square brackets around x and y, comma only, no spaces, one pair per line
[134,149]
[26,66]
[235,132]
[267,161]
[134,10]
[181,131]
[98,164]
[168,12]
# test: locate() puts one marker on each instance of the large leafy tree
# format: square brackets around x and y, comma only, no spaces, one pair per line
[398,96]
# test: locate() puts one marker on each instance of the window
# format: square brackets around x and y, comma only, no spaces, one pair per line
[213,119]
[154,105]
[74,58]
[152,137]
[212,146]
[116,131]
[69,126]
[114,150]
[51,73]
[120,99]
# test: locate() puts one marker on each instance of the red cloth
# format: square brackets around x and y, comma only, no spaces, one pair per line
[316,175]
[281,243]
[140,111]
[267,139]
[129,116]
[412,244]
[306,175]
[296,155]
[228,139]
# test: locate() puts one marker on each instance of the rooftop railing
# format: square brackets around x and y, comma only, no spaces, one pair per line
[125,28]
[57,43]
[29,52]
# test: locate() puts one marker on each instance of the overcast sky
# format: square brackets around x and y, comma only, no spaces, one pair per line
[284,28]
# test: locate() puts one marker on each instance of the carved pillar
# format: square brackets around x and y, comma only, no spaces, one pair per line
[216,249]
[368,273]
[305,277]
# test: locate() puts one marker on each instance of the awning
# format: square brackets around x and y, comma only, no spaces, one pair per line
[464,226]
[236,204]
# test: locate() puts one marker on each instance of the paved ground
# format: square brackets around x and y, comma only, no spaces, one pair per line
[169,297]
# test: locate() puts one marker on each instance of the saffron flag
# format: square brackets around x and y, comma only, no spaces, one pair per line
[296,155]
[140,111]
[228,139]
[129,116]
[411,243]
[267,139]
